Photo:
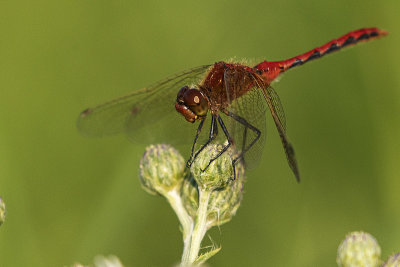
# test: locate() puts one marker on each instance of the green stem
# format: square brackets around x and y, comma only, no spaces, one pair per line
[200,227]
[186,221]
[186,250]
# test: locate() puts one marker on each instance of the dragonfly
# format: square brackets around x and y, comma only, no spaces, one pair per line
[233,97]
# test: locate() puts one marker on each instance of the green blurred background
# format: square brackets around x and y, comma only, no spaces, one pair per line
[70,198]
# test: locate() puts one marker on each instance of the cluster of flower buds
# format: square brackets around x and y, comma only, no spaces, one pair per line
[209,195]
[162,169]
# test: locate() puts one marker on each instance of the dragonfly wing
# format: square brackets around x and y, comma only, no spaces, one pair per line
[146,115]
[249,106]
[276,109]
[276,103]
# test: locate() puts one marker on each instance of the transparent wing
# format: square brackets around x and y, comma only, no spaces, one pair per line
[250,95]
[250,106]
[276,103]
[276,109]
[147,115]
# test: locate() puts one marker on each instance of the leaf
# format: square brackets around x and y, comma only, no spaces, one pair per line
[205,256]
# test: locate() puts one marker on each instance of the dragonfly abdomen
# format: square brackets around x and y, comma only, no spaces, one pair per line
[351,38]
[273,69]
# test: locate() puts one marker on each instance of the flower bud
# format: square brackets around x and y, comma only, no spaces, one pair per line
[217,174]
[225,202]
[359,249]
[393,261]
[161,169]
[2,211]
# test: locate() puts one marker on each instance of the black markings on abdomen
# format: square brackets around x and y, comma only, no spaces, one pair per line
[333,47]
[296,63]
[349,41]
[315,54]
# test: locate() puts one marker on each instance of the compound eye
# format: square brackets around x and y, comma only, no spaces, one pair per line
[181,94]
[196,101]
[193,97]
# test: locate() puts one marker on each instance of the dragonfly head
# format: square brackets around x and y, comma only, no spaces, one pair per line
[191,103]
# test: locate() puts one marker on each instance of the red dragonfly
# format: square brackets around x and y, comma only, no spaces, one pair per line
[235,95]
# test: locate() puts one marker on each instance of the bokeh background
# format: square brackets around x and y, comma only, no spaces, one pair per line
[70,198]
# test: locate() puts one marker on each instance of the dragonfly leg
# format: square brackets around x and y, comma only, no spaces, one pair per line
[189,162]
[244,142]
[221,122]
[212,136]
[247,125]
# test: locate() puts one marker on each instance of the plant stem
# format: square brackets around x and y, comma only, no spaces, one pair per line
[200,227]
[185,220]
[186,250]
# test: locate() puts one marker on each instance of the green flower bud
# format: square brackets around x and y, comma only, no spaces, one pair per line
[359,249]
[218,174]
[161,169]
[225,202]
[393,261]
[2,211]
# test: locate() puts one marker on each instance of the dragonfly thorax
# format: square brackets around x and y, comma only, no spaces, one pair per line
[191,103]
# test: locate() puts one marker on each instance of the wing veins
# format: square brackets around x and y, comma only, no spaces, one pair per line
[126,98]
[289,151]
